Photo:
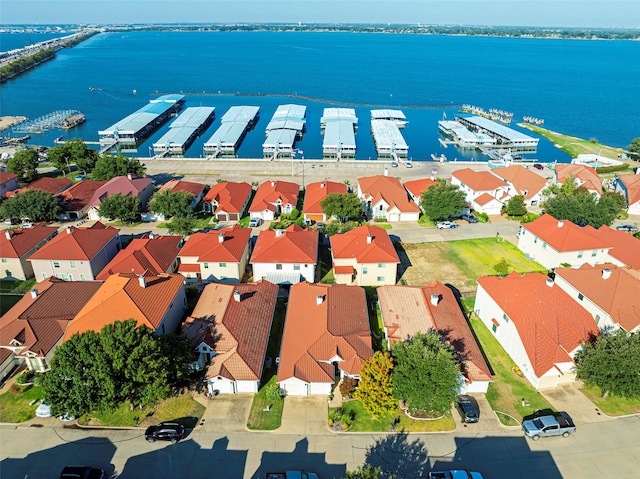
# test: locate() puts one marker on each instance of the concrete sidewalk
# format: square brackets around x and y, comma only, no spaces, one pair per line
[225,413]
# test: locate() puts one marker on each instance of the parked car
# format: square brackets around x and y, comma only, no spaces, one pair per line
[81,472]
[11,221]
[538,166]
[319,225]
[43,410]
[547,425]
[26,225]
[470,218]
[255,222]
[66,417]
[81,177]
[165,431]
[626,228]
[468,408]
[394,164]
[443,225]
[455,474]
[408,164]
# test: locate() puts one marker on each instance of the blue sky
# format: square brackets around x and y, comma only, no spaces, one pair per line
[565,13]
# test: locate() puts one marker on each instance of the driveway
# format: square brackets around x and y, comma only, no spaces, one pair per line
[225,412]
[304,415]
[569,398]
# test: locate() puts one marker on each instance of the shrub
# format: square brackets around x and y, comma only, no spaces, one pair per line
[346,420]
[611,169]
[295,213]
[502,267]
[529,217]
[274,392]
[347,386]
[24,378]
[483,217]
[335,414]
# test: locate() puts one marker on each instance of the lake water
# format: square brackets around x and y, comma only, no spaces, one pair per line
[583,88]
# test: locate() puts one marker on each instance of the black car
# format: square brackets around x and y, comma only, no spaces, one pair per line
[470,218]
[538,166]
[468,408]
[81,472]
[165,431]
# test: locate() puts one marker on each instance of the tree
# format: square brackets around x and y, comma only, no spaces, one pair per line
[375,390]
[180,350]
[586,208]
[342,206]
[442,201]
[75,152]
[120,207]
[336,227]
[182,225]
[611,362]
[516,206]
[365,472]
[634,146]
[59,157]
[109,166]
[426,373]
[24,164]
[171,203]
[37,205]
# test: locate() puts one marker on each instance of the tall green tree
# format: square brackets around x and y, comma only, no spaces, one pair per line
[109,166]
[611,362]
[585,208]
[120,207]
[73,152]
[634,147]
[515,206]
[375,388]
[24,163]
[443,200]
[366,472]
[171,203]
[342,206]
[37,205]
[182,225]
[426,373]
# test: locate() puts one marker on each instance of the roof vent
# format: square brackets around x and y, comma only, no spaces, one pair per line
[560,223]
[220,237]
[151,236]
[273,183]
[319,299]
[142,280]
[34,293]
[369,239]
[322,185]
[606,273]
[68,228]
[8,234]
[550,283]
[129,176]
[435,299]
[278,233]
[237,296]
[386,171]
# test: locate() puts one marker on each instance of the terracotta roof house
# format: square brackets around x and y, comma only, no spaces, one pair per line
[158,302]
[314,194]
[539,325]
[229,329]
[75,200]
[364,256]
[274,198]
[523,182]
[326,337]
[16,245]
[407,310]
[77,253]
[416,187]
[227,201]
[47,184]
[384,197]
[286,256]
[218,255]
[8,182]
[34,326]
[585,176]
[629,186]
[153,254]
[485,185]
[196,189]
[126,186]
[625,248]
[611,294]
[554,243]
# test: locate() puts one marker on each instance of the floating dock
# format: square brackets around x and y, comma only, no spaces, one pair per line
[397,116]
[388,139]
[463,137]
[56,119]
[184,130]
[339,125]
[236,122]
[287,124]
[505,136]
[142,122]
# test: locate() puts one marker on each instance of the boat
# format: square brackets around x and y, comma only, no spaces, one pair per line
[73,121]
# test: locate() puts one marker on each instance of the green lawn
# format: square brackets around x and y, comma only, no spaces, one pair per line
[14,404]
[426,222]
[613,405]
[384,226]
[262,420]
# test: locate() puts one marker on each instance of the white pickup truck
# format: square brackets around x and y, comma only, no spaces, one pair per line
[547,425]
[291,475]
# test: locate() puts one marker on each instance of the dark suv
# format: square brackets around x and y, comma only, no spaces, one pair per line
[165,431]
[470,218]
[468,408]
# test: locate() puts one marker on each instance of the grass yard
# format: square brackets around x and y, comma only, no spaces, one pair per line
[261,420]
[460,263]
[14,406]
[426,222]
[613,405]
[384,226]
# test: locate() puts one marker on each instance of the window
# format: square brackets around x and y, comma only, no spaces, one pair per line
[56,264]
[597,319]
[44,275]
[381,265]
[222,265]
[580,296]
[494,328]
[296,267]
[278,266]
[74,265]
[535,240]
[82,277]
[505,317]
[594,252]
[206,266]
[580,254]
[5,260]
[380,278]
[544,245]
[364,270]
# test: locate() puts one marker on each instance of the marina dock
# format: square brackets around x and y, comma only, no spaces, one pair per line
[462,137]
[236,122]
[506,137]
[184,129]
[287,124]
[396,116]
[339,125]
[388,139]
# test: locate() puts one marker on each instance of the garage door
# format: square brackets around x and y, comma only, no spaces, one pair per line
[222,385]
[296,388]
[233,217]
[394,217]
[223,217]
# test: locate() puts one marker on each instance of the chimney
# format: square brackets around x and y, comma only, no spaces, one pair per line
[278,233]
[151,236]
[237,296]
[435,299]
[68,230]
[142,280]
[220,237]
[34,293]
[369,239]
[8,234]
[273,183]
[386,171]
[560,223]
[322,185]
[319,299]
[550,283]
[129,176]
[606,273]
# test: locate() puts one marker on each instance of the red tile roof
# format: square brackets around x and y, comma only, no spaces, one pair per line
[407,310]
[389,189]
[237,331]
[77,243]
[416,187]
[632,183]
[316,192]
[229,196]
[563,236]
[549,322]
[479,180]
[526,182]
[353,244]
[293,245]
[178,185]
[23,239]
[207,247]
[484,199]
[121,297]
[46,183]
[624,246]
[618,294]
[78,196]
[6,176]
[144,254]
[317,334]
[586,175]
[122,185]
[270,192]
[39,323]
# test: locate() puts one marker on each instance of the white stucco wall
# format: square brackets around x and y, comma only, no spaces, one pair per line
[306,271]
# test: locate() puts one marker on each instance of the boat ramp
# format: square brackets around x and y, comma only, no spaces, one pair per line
[339,125]
[287,125]
[183,130]
[236,122]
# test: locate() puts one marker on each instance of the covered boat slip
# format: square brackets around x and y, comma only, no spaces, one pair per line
[463,137]
[288,117]
[142,122]
[339,126]
[504,135]
[388,139]
[236,122]
[279,142]
[396,116]
[184,130]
